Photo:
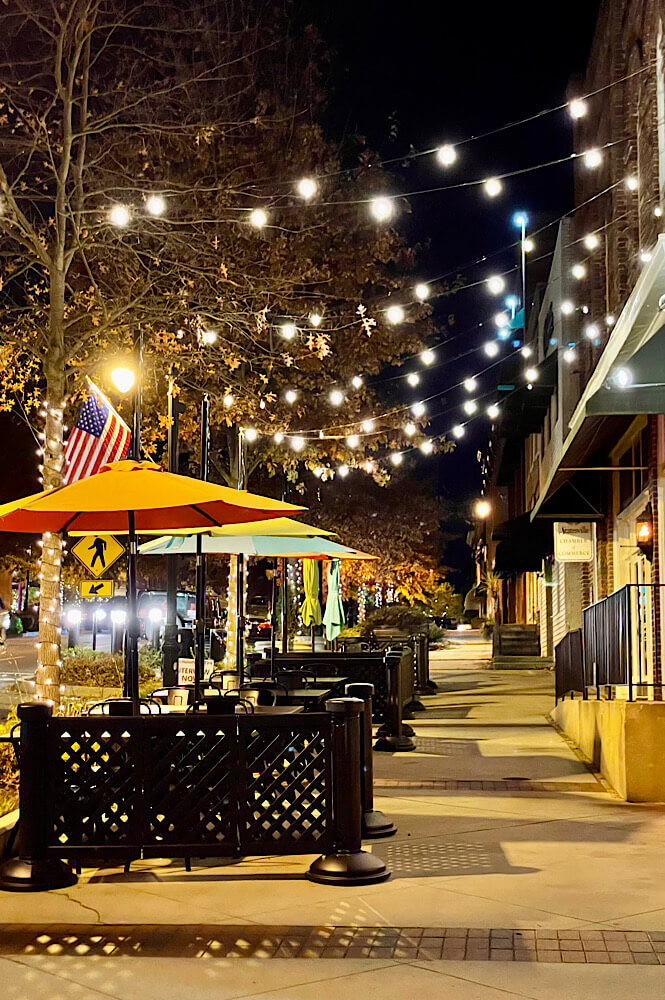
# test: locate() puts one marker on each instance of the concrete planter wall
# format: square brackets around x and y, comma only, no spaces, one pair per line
[625,741]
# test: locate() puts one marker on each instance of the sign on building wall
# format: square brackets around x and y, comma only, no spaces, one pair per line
[573,542]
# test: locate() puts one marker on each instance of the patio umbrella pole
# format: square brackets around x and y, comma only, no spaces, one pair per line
[273,619]
[131,679]
[285,608]
[199,653]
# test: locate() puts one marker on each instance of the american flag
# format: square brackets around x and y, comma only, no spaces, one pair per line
[100,436]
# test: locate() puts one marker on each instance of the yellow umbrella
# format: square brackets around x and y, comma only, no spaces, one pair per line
[282,527]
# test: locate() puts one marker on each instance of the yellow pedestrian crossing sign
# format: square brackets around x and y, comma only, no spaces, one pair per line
[96,588]
[97,552]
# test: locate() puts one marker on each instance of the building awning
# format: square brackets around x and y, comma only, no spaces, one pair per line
[601,409]
[522,545]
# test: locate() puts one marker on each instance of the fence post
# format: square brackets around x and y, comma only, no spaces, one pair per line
[374,822]
[414,704]
[392,734]
[347,864]
[33,870]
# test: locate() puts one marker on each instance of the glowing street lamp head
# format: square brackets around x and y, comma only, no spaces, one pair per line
[394,314]
[495,284]
[482,509]
[382,208]
[446,155]
[123,379]
[512,301]
[258,218]
[307,188]
[521,220]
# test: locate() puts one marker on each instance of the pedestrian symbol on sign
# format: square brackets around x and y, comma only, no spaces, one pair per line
[99,548]
[98,552]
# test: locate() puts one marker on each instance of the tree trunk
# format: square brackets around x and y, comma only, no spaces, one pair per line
[50,599]
[230,660]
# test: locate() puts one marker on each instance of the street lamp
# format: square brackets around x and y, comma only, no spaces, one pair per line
[483,509]
[520,219]
[123,379]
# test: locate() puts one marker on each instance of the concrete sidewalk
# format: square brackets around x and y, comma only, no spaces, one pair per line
[511,863]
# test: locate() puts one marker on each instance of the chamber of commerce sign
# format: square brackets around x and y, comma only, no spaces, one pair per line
[573,542]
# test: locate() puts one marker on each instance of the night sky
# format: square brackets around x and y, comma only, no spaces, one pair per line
[420,74]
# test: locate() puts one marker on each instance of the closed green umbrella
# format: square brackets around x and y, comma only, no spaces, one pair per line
[334,619]
[311,608]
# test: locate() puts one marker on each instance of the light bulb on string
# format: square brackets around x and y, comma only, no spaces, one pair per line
[297,442]
[493,411]
[418,409]
[492,187]
[413,378]
[591,331]
[657,212]
[209,337]
[421,291]
[446,154]
[307,188]
[470,384]
[410,429]
[315,319]
[353,440]
[426,447]
[495,284]
[119,215]
[382,208]
[569,355]
[632,183]
[458,431]
[258,218]
[491,348]
[578,271]
[592,158]
[288,330]
[396,458]
[591,241]
[356,381]
[531,374]
[228,400]
[645,256]
[367,426]
[526,352]
[610,320]
[428,357]
[504,333]
[155,205]
[336,397]
[470,406]
[343,471]
[278,437]
[502,319]
[250,434]
[567,307]
[577,108]
[528,245]
[394,314]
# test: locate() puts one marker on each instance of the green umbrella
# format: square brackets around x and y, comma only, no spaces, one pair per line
[334,616]
[311,608]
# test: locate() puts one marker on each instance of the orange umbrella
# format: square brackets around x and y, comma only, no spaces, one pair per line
[158,500]
[136,496]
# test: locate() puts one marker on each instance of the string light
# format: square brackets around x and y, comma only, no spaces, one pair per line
[577,108]
[382,209]
[290,395]
[307,188]
[426,447]
[470,384]
[531,374]
[410,429]
[578,271]
[297,442]
[250,434]
[493,411]
[632,183]
[288,330]
[228,400]
[428,357]
[336,397]
[367,426]
[592,158]
[591,331]
[470,406]
[421,291]
[502,319]
[119,215]
[645,256]
[458,431]
[396,458]
[495,284]
[155,205]
[492,187]
[567,307]
[258,218]
[526,352]
[315,319]
[356,381]
[394,314]
[592,241]
[657,212]
[208,337]
[528,245]
[446,155]
[610,320]
[353,440]
[491,349]
[569,355]
[413,378]
[418,409]
[278,437]
[504,333]
[343,471]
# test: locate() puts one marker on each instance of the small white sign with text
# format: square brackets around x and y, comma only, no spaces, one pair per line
[573,542]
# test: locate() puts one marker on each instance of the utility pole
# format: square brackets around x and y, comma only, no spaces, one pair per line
[171,647]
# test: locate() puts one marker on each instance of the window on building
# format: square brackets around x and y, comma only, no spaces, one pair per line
[632,468]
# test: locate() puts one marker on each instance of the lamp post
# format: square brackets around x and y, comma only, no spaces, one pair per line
[520,219]
[199,624]
[171,647]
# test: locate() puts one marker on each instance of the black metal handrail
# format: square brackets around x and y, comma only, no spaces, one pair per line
[569,666]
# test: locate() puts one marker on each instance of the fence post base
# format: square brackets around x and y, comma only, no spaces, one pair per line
[348,868]
[376,824]
[414,705]
[35,875]
[395,744]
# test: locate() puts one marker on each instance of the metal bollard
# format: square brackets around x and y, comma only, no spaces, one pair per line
[375,823]
[430,686]
[33,870]
[347,864]
[392,735]
[413,704]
